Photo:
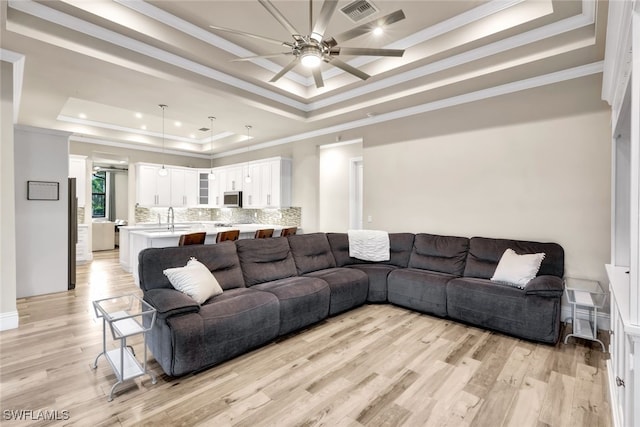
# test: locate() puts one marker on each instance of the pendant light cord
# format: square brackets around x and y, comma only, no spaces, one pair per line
[162,171]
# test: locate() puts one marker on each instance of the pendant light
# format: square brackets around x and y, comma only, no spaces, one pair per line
[247,179]
[212,176]
[163,171]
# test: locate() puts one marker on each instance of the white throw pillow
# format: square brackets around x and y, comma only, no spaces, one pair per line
[517,270]
[195,280]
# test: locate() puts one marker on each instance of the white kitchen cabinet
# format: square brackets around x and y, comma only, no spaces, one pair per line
[152,188]
[215,192]
[184,186]
[203,188]
[252,190]
[210,193]
[232,177]
[83,254]
[270,185]
[78,170]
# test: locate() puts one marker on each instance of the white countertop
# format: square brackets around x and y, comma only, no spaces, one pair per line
[153,231]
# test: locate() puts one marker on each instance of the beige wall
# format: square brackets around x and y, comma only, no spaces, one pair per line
[544,180]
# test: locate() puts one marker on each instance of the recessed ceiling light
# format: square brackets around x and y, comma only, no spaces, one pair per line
[178,124]
[138,115]
[82,115]
[143,127]
[192,136]
[378,31]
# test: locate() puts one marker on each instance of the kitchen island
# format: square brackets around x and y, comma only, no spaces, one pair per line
[134,239]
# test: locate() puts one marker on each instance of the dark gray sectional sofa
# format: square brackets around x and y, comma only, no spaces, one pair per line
[276,286]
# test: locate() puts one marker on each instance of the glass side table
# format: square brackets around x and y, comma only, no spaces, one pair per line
[586,298]
[126,316]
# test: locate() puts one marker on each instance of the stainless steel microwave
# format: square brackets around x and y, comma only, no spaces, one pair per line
[232,199]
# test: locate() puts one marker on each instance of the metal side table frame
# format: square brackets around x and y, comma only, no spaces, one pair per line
[586,294]
[125,318]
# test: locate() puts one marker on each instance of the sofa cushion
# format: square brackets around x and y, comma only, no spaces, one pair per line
[221,259]
[444,254]
[377,274]
[228,325]
[400,246]
[303,301]
[485,253]
[349,287]
[195,280]
[265,260]
[504,308]
[311,252]
[420,290]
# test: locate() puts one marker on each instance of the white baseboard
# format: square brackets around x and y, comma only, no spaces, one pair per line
[604,320]
[8,320]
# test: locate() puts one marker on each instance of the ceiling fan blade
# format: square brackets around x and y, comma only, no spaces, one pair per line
[365,51]
[348,68]
[271,55]
[317,76]
[328,7]
[254,36]
[285,70]
[279,17]
[389,19]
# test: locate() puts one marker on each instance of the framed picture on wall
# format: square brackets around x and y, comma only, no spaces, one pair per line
[43,190]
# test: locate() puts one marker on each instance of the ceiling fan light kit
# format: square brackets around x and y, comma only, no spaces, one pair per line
[313,49]
[310,56]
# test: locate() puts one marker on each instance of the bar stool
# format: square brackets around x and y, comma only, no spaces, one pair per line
[288,231]
[192,239]
[227,235]
[264,233]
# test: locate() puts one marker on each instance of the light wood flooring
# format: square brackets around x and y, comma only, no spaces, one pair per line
[378,365]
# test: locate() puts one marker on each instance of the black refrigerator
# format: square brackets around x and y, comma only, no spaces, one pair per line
[73,233]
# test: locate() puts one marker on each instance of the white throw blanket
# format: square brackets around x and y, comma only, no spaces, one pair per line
[369,245]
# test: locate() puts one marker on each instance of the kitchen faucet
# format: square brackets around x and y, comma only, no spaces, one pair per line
[171,223]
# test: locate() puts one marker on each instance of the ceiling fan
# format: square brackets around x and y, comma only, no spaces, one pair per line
[314,48]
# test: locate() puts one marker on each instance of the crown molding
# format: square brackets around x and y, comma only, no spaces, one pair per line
[136,131]
[208,37]
[618,53]
[51,15]
[109,143]
[531,83]
[587,17]
[532,36]
[475,14]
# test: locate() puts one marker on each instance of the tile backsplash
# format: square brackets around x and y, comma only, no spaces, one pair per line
[284,216]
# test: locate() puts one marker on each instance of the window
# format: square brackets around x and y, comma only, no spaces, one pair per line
[99,194]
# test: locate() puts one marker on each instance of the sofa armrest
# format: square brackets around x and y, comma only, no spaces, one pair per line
[546,286]
[170,302]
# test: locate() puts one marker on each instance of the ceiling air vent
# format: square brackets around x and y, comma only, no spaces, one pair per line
[359,9]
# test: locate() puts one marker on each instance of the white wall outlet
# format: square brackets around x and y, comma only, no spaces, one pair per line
[369,218]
